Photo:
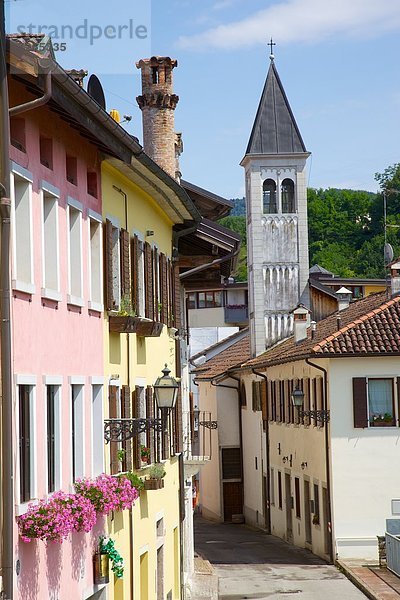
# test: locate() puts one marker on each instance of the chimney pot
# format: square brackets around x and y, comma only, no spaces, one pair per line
[301,321]
[344,296]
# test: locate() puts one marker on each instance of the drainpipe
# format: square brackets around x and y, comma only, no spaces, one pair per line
[230,387]
[7,476]
[327,463]
[22,108]
[267,456]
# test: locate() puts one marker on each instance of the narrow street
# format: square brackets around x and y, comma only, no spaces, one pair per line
[250,564]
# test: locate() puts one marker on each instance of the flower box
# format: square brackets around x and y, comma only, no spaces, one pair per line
[153,484]
[378,423]
[138,325]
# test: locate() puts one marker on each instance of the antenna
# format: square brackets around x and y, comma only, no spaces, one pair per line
[95,90]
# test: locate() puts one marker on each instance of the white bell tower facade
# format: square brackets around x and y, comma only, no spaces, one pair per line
[276,206]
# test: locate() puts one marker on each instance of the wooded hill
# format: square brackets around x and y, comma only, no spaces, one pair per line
[346,227]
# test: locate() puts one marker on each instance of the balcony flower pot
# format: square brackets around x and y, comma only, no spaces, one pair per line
[153,484]
[101,568]
[149,328]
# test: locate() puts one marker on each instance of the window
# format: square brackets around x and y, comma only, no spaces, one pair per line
[17,133]
[316,505]
[373,401]
[95,262]
[71,167]
[287,193]
[297,497]
[46,152]
[97,430]
[191,301]
[25,442]
[51,284]
[53,438]
[92,183]
[380,402]
[75,255]
[269,196]
[279,490]
[272,487]
[77,431]
[154,75]
[23,251]
[231,463]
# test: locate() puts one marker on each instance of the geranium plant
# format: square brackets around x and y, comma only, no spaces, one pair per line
[145,453]
[107,493]
[107,546]
[54,519]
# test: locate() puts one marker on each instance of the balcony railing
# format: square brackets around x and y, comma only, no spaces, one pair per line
[197,436]
[236,314]
[393,553]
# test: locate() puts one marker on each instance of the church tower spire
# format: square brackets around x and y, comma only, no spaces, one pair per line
[276,204]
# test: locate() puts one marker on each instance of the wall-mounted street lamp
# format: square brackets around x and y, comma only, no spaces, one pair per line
[298,400]
[209,424]
[166,392]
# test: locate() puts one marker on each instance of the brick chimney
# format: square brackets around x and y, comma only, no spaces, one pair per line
[158,103]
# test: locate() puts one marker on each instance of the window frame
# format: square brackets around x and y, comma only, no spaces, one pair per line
[55,382]
[75,299]
[29,381]
[97,425]
[19,281]
[394,421]
[77,429]
[49,192]
[275,200]
[95,301]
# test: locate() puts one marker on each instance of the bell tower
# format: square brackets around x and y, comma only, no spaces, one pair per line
[276,208]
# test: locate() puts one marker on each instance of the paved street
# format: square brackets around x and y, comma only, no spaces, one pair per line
[251,564]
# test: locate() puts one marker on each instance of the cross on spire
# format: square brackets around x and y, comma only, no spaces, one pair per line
[271,43]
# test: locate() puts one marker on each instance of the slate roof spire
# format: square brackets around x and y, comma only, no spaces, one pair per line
[275,130]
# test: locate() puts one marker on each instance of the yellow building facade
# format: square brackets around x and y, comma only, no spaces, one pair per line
[148,536]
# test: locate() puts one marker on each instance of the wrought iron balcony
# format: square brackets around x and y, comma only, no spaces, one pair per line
[197,439]
[122,430]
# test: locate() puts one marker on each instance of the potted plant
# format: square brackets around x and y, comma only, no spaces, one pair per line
[125,320]
[107,548]
[382,420]
[136,481]
[145,453]
[101,565]
[155,481]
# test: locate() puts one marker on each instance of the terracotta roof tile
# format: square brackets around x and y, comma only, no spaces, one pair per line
[229,358]
[370,325]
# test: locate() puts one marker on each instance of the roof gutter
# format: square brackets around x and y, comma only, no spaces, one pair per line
[22,108]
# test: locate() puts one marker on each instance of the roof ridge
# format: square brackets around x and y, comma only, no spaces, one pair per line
[355,322]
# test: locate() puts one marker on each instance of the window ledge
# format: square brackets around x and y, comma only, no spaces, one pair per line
[23,286]
[21,509]
[97,306]
[75,300]
[50,294]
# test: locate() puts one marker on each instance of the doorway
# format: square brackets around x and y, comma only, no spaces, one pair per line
[327,524]
[307,511]
[289,514]
[233,494]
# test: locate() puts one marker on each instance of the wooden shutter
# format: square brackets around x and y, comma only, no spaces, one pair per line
[291,407]
[176,297]
[254,395]
[24,444]
[306,390]
[125,270]
[277,402]
[108,266]
[264,402]
[135,273]
[136,458]
[242,392]
[113,414]
[126,414]
[360,408]
[148,281]
[156,288]
[269,399]
[282,401]
[164,288]
[150,434]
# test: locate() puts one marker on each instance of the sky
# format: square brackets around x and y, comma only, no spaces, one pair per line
[338,61]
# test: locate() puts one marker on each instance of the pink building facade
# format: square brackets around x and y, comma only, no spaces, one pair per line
[57,338]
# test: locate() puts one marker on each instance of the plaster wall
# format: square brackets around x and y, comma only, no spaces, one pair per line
[58,340]
[365,474]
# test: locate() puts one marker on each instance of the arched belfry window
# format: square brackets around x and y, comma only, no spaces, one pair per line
[287,194]
[269,196]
